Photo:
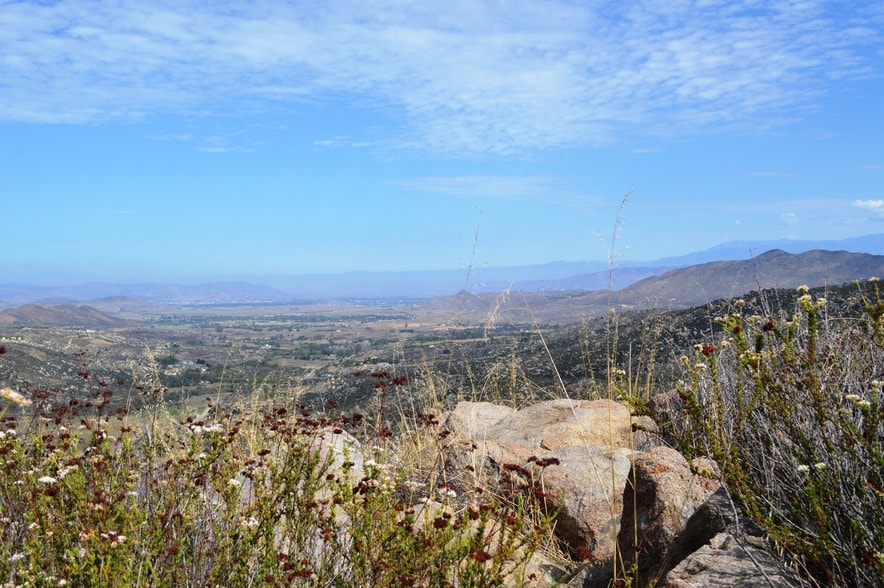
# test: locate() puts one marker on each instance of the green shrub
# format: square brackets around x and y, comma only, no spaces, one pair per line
[792,411]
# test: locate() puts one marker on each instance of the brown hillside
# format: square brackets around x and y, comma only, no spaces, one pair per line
[65,315]
[699,284]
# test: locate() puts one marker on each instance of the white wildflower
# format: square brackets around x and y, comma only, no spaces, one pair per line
[370,463]
[819,466]
[803,289]
[873,279]
[16,557]
[821,301]
[66,470]
[250,523]
[806,298]
[47,480]
[854,398]
[32,526]
[803,468]
[234,482]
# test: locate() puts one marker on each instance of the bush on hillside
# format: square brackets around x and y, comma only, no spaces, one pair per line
[791,408]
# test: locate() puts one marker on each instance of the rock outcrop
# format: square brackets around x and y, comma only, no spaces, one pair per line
[626,504]
[573,454]
[662,493]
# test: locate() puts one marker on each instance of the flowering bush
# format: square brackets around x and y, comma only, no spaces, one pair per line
[274,497]
[792,411]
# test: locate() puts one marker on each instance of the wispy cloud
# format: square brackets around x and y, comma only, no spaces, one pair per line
[875,206]
[774,174]
[789,218]
[183,137]
[343,141]
[221,144]
[539,189]
[474,79]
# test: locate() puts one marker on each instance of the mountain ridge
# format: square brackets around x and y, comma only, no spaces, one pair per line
[703,283]
[551,276]
[63,315]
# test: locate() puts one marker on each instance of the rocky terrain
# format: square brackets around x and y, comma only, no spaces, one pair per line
[628,508]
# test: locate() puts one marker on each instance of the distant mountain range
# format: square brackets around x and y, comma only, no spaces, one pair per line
[551,277]
[683,287]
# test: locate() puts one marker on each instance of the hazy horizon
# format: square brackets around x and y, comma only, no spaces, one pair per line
[184,141]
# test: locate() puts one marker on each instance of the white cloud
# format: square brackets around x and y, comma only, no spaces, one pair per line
[473,79]
[342,141]
[540,189]
[789,218]
[876,206]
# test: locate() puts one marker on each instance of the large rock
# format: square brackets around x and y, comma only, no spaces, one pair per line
[660,496]
[586,488]
[556,424]
[472,420]
[725,562]
[719,546]
[574,454]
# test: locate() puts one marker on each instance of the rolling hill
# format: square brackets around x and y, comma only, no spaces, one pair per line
[64,315]
[698,284]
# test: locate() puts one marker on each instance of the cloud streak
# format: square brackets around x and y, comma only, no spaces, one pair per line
[470,80]
[875,206]
[536,189]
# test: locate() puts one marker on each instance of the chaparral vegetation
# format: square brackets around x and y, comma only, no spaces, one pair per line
[317,452]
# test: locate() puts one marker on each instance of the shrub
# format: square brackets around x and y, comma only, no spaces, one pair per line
[792,411]
[271,497]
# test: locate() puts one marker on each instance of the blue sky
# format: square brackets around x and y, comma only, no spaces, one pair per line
[191,140]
